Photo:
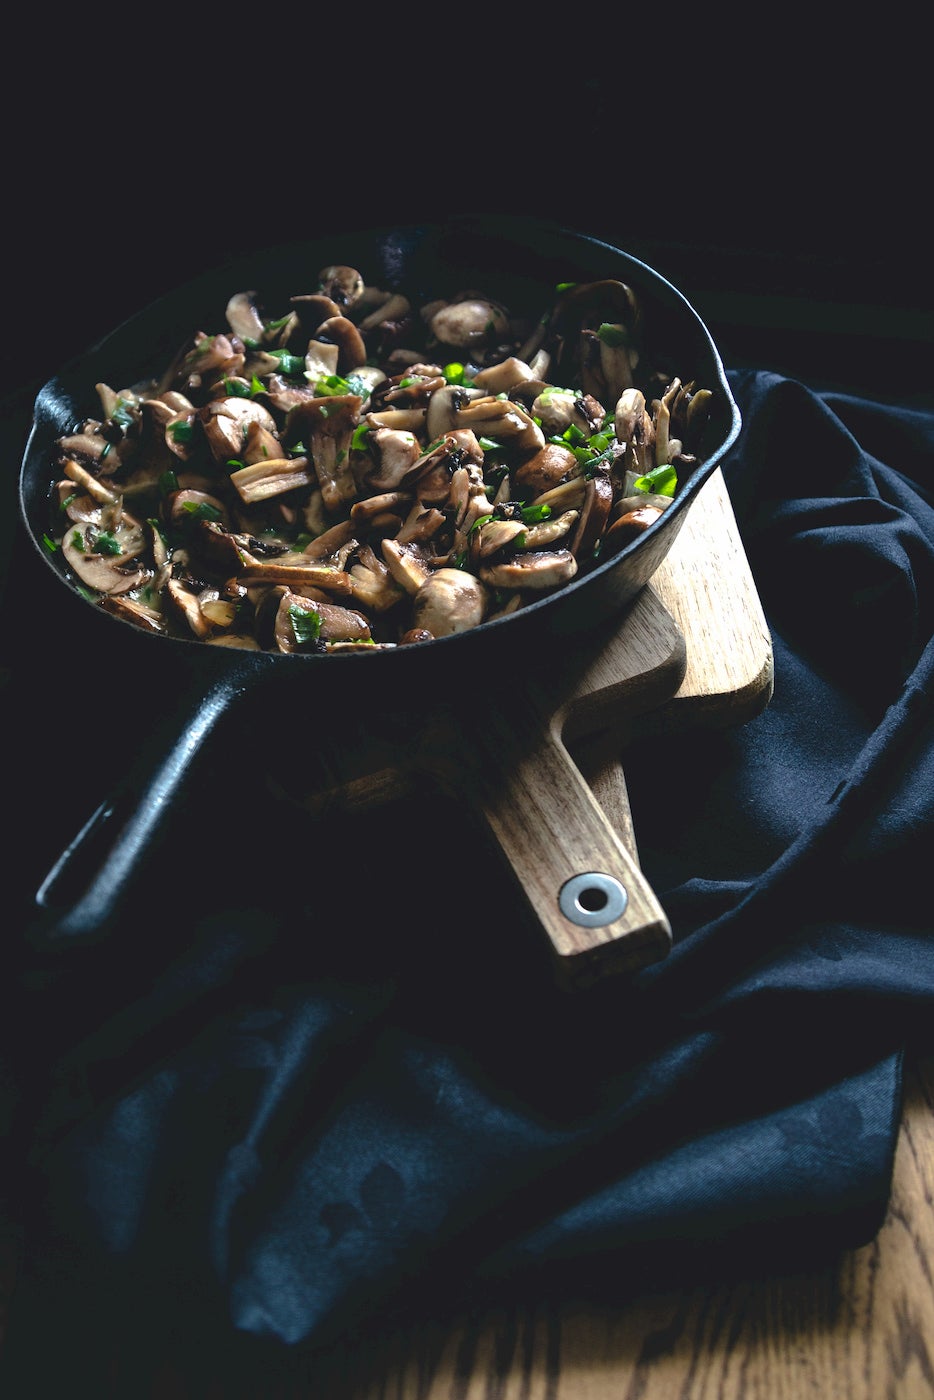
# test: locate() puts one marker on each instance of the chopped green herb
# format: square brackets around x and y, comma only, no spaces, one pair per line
[182,431]
[201,510]
[50,544]
[168,482]
[660,481]
[358,442]
[107,543]
[289,364]
[305,624]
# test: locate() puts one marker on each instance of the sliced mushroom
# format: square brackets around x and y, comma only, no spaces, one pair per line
[225,423]
[450,601]
[372,584]
[343,284]
[470,324]
[301,622]
[244,316]
[396,451]
[351,348]
[504,376]
[629,526]
[538,571]
[295,571]
[545,469]
[326,426]
[104,560]
[445,406]
[266,479]
[407,563]
[504,421]
[133,611]
[595,512]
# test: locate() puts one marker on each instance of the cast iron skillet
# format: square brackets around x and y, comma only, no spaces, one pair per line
[520,262]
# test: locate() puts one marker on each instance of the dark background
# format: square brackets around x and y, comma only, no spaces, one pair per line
[788,201]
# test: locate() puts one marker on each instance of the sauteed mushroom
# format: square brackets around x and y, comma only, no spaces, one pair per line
[358,471]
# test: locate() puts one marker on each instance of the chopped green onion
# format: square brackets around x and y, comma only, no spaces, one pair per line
[108,543]
[660,481]
[202,510]
[305,624]
[615,336]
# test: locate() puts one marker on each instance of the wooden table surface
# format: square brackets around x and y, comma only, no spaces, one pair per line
[861,1328]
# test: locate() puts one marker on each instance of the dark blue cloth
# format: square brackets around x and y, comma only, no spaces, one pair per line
[323,1071]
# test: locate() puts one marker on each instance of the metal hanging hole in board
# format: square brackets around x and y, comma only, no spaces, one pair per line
[593,899]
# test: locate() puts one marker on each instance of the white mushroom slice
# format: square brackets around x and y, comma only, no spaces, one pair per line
[225,423]
[420,524]
[132,610]
[450,601]
[343,284]
[494,535]
[187,608]
[329,541]
[407,564]
[189,506]
[469,324]
[295,571]
[209,355]
[444,408]
[544,534]
[594,514]
[244,317]
[504,420]
[546,468]
[263,480]
[372,584]
[103,559]
[351,349]
[98,490]
[628,414]
[500,378]
[367,511]
[393,308]
[568,496]
[407,420]
[532,571]
[301,622]
[326,427]
[396,451]
[259,445]
[220,612]
[91,446]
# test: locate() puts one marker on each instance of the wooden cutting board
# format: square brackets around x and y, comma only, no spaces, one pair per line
[693,650]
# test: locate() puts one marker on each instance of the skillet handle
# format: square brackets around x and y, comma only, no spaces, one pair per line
[87,886]
[582,881]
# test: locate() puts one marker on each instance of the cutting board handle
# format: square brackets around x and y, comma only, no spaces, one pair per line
[582,883]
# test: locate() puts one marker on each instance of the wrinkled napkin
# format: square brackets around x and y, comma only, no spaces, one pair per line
[323,1072]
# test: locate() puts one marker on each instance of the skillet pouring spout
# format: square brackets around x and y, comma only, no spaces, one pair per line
[400,689]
